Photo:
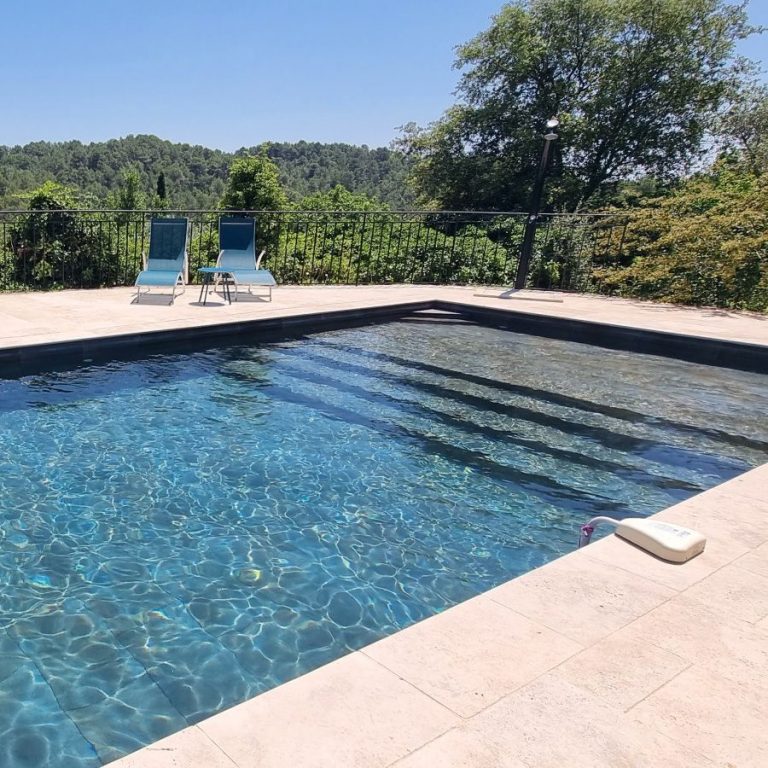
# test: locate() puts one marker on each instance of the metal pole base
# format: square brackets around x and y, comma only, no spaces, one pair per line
[512,294]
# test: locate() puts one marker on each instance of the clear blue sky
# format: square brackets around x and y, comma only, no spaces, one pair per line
[236,72]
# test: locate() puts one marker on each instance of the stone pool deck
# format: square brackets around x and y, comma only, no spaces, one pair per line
[604,657]
[38,318]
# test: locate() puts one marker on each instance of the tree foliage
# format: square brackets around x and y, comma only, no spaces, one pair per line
[129,195]
[635,84]
[378,247]
[744,127]
[52,196]
[53,246]
[160,189]
[340,199]
[309,167]
[706,243]
[253,184]
[195,176]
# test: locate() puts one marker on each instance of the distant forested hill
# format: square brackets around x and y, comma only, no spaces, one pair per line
[308,167]
[195,176]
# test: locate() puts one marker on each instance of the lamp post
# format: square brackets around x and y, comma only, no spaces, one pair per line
[526,250]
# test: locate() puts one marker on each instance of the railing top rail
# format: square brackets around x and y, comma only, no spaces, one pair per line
[218,211]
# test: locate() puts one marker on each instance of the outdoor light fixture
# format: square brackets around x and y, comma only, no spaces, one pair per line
[552,123]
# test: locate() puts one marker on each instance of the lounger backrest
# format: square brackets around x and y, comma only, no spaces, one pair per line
[236,234]
[167,244]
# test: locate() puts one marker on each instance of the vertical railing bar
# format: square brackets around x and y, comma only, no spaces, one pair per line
[415,264]
[376,275]
[296,227]
[370,221]
[395,273]
[409,259]
[339,269]
[430,260]
[345,280]
[324,241]
[316,227]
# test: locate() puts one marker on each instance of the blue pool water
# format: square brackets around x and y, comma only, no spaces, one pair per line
[183,532]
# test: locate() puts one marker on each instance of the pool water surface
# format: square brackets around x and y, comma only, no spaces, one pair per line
[183,532]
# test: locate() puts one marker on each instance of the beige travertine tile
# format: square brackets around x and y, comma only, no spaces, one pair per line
[581,598]
[470,656]
[461,747]
[718,552]
[701,710]
[554,724]
[751,485]
[621,670]
[352,712]
[755,561]
[189,748]
[727,645]
[724,516]
[733,592]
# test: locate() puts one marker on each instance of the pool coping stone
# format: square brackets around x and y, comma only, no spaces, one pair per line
[684,346]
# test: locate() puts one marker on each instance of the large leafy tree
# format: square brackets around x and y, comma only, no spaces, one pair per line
[635,84]
[744,127]
[253,184]
[129,195]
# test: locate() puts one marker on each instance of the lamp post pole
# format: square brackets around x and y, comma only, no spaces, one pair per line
[526,250]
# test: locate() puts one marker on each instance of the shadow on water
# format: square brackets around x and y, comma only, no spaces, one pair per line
[555,398]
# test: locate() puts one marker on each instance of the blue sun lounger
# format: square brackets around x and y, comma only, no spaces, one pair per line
[237,240]
[167,257]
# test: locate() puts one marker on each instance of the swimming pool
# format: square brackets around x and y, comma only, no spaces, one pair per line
[180,533]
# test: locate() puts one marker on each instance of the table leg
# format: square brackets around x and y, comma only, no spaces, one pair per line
[204,287]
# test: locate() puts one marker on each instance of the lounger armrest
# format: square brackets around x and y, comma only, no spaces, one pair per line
[260,257]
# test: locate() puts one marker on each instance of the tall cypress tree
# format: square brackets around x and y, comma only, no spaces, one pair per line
[161,186]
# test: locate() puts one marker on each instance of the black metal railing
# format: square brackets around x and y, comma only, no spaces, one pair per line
[96,248]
